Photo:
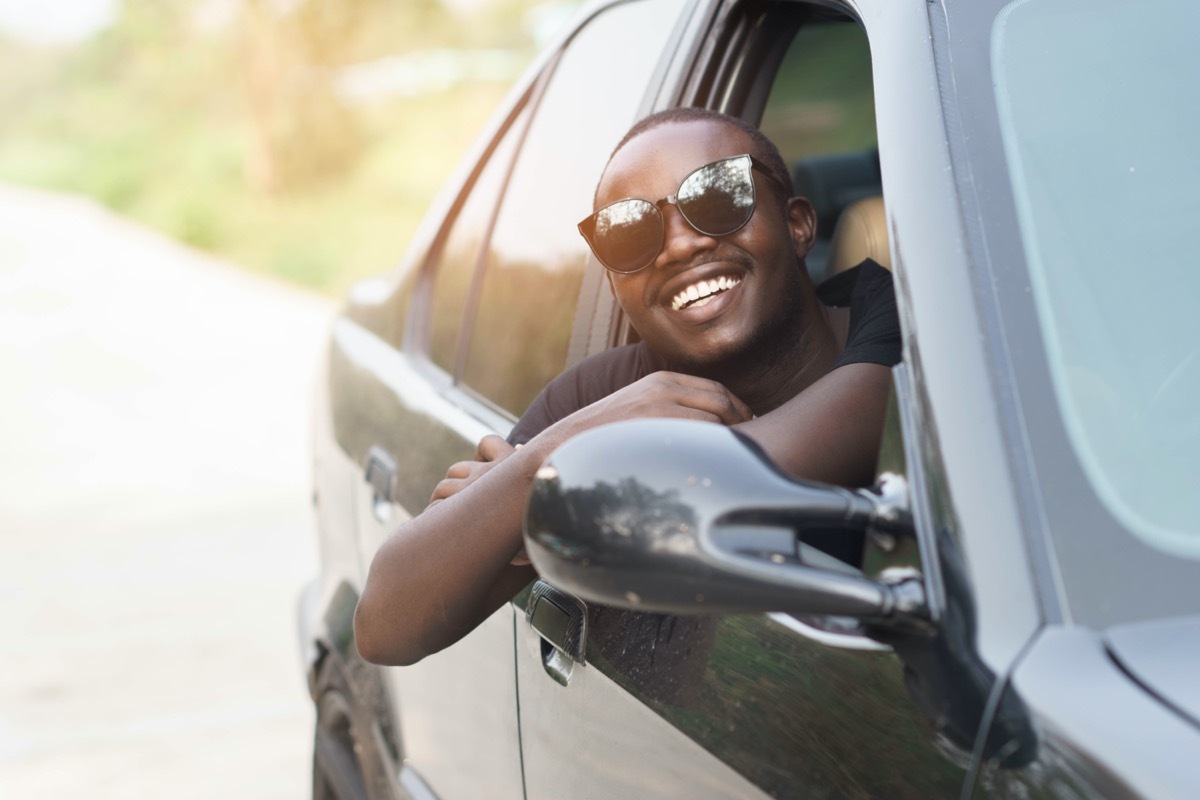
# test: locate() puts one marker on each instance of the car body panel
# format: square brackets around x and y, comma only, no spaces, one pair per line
[383,403]
[1163,657]
[1098,733]
[783,710]
[591,739]
[438,693]
[946,353]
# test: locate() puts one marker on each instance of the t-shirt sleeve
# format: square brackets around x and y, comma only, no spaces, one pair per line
[537,417]
[874,336]
[581,385]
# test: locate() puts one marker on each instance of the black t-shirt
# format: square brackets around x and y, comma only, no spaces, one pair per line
[874,337]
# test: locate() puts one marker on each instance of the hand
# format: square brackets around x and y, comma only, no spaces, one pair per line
[658,395]
[490,452]
[663,394]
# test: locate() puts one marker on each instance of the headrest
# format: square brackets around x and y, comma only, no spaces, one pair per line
[833,182]
[861,233]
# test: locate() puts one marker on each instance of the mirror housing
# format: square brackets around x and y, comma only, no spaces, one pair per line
[681,517]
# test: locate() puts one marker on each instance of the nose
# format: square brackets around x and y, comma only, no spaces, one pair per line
[681,242]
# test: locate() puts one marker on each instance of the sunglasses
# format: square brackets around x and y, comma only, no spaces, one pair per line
[716,200]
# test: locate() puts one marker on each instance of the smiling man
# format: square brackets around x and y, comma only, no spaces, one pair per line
[705,246]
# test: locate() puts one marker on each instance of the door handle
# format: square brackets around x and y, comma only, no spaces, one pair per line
[381,475]
[561,621]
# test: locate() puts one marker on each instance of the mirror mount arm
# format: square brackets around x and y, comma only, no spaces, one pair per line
[907,605]
[890,515]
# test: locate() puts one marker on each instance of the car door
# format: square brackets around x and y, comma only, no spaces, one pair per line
[400,414]
[620,703]
[479,322]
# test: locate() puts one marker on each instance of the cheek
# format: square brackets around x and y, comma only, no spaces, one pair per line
[766,238]
[628,291]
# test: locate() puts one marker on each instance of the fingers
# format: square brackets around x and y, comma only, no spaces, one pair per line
[445,488]
[493,448]
[728,407]
[458,477]
[461,469]
[710,399]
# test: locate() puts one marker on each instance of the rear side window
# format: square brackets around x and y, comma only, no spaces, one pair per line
[518,337]
[461,253]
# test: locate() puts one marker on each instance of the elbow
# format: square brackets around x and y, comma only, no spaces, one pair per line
[384,644]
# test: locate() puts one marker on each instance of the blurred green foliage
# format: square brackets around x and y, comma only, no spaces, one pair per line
[231,133]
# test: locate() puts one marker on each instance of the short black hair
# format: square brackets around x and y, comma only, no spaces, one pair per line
[767,153]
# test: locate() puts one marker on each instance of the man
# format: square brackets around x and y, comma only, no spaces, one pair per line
[732,331]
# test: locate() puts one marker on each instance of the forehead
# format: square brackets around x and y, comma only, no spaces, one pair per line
[653,164]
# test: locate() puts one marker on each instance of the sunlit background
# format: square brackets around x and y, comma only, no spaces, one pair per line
[186,189]
[298,138]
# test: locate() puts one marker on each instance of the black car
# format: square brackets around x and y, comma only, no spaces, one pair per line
[1026,619]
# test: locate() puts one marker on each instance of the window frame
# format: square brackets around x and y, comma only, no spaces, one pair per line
[755,36]
[418,336]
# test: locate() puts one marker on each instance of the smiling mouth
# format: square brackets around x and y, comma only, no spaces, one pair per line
[703,292]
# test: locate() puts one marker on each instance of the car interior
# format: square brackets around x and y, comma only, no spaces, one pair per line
[820,111]
[847,194]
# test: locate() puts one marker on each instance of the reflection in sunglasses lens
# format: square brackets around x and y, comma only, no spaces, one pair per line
[719,198]
[630,234]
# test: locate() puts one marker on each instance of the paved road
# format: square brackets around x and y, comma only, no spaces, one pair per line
[154,528]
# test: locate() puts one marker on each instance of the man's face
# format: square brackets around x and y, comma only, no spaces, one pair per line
[756,269]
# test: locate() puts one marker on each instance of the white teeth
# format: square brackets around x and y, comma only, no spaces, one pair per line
[698,293]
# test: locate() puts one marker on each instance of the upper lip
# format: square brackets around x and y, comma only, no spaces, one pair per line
[693,274]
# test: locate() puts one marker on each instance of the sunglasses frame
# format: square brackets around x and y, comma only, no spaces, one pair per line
[587,226]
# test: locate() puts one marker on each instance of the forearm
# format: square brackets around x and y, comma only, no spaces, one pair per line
[831,431]
[444,571]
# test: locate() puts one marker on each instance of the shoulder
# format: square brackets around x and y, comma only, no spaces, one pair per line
[874,335]
[592,379]
[855,284]
[602,374]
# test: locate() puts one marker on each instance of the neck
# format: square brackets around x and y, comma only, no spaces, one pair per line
[784,362]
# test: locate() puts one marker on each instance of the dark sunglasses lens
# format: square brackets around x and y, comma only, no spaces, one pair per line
[719,198]
[627,235]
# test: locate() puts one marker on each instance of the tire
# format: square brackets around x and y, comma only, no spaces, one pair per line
[341,753]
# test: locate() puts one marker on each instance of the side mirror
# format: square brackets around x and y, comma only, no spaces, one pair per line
[684,517]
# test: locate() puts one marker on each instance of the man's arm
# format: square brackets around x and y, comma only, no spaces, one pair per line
[444,571]
[830,432]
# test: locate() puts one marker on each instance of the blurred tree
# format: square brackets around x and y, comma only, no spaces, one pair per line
[219,122]
[300,132]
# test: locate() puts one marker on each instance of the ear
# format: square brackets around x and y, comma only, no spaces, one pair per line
[802,224]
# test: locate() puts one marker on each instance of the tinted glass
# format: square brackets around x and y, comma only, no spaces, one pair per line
[821,114]
[822,100]
[460,254]
[536,256]
[1100,114]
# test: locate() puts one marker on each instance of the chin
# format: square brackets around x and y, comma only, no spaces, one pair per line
[746,352]
[716,361]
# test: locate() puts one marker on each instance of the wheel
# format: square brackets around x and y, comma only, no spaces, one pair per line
[342,756]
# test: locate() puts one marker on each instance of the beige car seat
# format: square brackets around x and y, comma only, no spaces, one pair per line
[860,233]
